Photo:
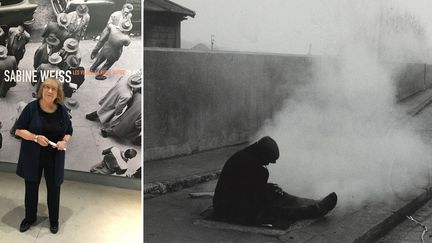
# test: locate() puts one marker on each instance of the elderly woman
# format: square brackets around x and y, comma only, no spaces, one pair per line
[45,129]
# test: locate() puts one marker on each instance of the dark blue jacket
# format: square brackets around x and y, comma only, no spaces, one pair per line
[28,161]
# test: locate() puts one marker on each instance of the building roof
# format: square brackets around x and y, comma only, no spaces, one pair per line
[167,6]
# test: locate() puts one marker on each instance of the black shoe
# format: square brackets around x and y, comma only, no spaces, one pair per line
[92,116]
[327,204]
[104,132]
[54,226]
[92,56]
[25,225]
[101,77]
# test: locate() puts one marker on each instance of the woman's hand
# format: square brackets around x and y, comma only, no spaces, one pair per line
[61,145]
[42,140]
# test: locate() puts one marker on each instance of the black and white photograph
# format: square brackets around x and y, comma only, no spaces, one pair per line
[71,85]
[286,121]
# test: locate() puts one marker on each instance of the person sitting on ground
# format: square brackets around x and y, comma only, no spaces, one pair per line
[114,161]
[244,196]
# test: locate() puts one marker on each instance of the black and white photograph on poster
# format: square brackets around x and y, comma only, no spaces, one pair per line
[95,55]
[70,103]
[287,121]
[70,121]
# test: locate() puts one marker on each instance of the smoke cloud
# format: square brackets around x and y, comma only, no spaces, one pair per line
[344,131]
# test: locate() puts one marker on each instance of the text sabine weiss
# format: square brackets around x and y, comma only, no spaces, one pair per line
[32,75]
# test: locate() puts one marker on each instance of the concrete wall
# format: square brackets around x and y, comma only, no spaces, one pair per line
[428,76]
[201,100]
[195,100]
[410,78]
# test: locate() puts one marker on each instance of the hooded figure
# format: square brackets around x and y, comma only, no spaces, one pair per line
[244,196]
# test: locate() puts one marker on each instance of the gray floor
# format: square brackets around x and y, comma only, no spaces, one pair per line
[88,213]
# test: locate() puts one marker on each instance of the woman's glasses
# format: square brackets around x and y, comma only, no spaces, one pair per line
[48,87]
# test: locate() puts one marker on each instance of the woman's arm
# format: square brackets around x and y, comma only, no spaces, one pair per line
[61,145]
[27,135]
[66,138]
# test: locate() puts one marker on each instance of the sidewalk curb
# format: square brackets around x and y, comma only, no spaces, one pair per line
[419,108]
[385,226]
[155,189]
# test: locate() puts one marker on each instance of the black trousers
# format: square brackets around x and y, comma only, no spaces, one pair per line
[99,60]
[273,206]
[282,208]
[32,192]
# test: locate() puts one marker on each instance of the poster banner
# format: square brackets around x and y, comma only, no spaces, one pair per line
[94,48]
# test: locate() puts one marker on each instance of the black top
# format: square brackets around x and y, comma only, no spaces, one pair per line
[52,130]
[241,187]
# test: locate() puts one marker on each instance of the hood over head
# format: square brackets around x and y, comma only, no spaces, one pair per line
[267,149]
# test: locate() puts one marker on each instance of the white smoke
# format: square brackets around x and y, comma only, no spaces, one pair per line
[344,131]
